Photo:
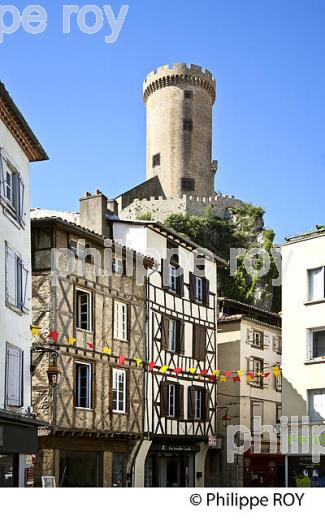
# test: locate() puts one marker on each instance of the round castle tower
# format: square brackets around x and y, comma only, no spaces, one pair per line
[179,102]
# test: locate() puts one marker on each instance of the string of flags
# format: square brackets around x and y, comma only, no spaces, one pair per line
[221,376]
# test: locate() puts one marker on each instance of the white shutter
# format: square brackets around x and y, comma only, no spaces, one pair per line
[266,340]
[21,200]
[250,336]
[11,276]
[14,376]
[2,175]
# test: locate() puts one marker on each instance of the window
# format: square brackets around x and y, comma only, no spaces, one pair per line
[316,284]
[257,367]
[198,404]
[12,191]
[156,160]
[316,405]
[277,345]
[187,184]
[256,416]
[83,385]
[173,278]
[42,243]
[199,289]
[317,347]
[188,125]
[121,321]
[17,281]
[199,342]
[118,266]
[14,376]
[119,391]
[278,413]
[278,382]
[188,94]
[172,335]
[84,310]
[171,400]
[255,338]
[79,249]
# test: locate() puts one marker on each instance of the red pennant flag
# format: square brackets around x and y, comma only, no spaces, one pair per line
[204,372]
[54,335]
[228,373]
[236,379]
[152,365]
[121,360]
[266,374]
[178,370]
[251,375]
[90,345]
[212,377]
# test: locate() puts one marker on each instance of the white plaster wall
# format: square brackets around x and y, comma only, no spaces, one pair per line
[15,328]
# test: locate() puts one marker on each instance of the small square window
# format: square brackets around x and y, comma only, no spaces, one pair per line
[188,184]
[156,160]
[188,94]
[188,125]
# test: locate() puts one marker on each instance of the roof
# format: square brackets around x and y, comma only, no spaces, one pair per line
[70,216]
[88,232]
[315,233]
[232,310]
[18,126]
[166,231]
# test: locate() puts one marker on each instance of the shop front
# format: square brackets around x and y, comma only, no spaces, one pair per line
[303,472]
[264,470]
[18,442]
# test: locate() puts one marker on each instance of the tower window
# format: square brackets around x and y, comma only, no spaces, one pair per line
[188,125]
[188,184]
[156,160]
[188,94]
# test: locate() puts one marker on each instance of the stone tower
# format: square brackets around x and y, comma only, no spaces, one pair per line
[179,102]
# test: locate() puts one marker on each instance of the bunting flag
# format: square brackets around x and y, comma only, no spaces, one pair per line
[178,370]
[121,360]
[212,377]
[240,373]
[276,371]
[90,345]
[223,379]
[72,341]
[107,350]
[236,379]
[204,372]
[228,373]
[36,330]
[216,373]
[152,365]
[138,362]
[164,369]
[54,335]
[266,374]
[192,370]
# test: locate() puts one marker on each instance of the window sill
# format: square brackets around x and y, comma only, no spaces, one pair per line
[119,413]
[84,330]
[121,340]
[315,361]
[10,216]
[314,302]
[83,409]
[15,309]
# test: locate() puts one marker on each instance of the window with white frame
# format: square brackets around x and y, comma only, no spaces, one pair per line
[316,340]
[316,284]
[173,278]
[12,191]
[278,382]
[83,385]
[198,289]
[121,321]
[84,310]
[316,405]
[171,400]
[256,416]
[198,405]
[17,280]
[14,376]
[118,266]
[119,390]
[172,335]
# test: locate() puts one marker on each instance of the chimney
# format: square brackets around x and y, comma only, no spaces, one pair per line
[112,207]
[93,210]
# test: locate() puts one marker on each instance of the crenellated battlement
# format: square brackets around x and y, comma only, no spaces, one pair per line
[179,74]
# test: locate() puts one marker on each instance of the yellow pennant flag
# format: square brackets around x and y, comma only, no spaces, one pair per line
[192,370]
[276,371]
[72,341]
[107,350]
[223,379]
[216,372]
[36,330]
[164,369]
[248,378]
[138,361]
[240,373]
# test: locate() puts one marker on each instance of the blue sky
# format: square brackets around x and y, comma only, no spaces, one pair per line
[82,97]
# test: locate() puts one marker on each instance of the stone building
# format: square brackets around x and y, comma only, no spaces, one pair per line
[249,346]
[18,429]
[89,330]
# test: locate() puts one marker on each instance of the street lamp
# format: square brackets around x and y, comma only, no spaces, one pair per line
[226,418]
[53,371]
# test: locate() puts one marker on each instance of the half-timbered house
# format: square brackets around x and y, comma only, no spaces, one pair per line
[88,338]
